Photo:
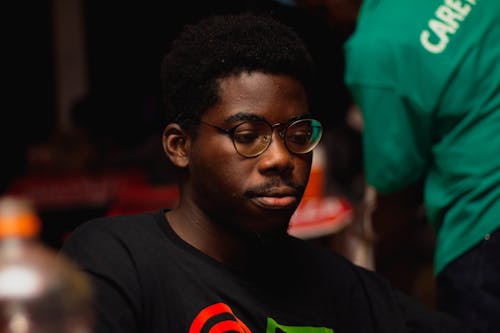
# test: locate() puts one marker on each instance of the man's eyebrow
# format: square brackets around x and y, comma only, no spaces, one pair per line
[298,117]
[244,116]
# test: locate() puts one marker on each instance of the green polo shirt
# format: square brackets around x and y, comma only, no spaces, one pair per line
[426,76]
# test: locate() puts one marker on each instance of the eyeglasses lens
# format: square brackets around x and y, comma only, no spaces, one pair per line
[252,137]
[303,135]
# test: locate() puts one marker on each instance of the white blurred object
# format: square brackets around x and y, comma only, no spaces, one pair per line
[354,118]
[40,290]
[362,243]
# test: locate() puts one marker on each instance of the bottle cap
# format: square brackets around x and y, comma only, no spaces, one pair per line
[17,218]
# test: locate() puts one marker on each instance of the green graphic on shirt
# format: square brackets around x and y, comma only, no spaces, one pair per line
[274,327]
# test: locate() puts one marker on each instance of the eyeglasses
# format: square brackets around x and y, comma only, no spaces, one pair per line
[252,137]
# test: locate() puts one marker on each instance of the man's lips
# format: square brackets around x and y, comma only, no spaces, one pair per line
[276,202]
[276,198]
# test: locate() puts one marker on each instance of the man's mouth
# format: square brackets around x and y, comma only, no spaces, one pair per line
[285,202]
[276,198]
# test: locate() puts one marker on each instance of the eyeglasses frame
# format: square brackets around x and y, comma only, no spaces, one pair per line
[284,126]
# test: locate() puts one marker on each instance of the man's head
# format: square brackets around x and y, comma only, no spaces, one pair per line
[227,81]
[221,46]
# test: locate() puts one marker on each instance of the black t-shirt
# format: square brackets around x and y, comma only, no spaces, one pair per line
[147,279]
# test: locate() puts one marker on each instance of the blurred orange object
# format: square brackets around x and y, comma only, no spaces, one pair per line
[17,218]
[317,179]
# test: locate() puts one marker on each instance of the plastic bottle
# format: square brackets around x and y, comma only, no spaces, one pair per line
[40,290]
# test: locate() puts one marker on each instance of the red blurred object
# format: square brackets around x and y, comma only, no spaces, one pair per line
[139,198]
[49,192]
[320,216]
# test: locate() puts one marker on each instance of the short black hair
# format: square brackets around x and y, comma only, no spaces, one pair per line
[221,46]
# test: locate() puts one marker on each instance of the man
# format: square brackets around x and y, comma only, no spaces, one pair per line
[425,75]
[237,94]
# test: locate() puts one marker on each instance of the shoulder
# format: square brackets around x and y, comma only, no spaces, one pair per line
[112,237]
[337,267]
[372,294]
[346,288]
[385,46]
[118,226]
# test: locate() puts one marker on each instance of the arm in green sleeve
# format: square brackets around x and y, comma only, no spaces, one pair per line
[396,138]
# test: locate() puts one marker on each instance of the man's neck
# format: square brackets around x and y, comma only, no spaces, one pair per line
[211,237]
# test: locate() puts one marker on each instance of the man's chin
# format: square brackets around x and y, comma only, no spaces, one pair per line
[273,227]
[260,222]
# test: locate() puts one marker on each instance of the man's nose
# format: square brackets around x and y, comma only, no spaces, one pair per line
[277,157]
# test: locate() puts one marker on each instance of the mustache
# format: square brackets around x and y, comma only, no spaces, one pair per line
[274,183]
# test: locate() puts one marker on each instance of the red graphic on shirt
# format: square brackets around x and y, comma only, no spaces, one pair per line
[212,311]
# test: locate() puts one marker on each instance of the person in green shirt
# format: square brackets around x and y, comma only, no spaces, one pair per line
[426,77]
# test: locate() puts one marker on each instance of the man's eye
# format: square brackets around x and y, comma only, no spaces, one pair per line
[301,137]
[245,136]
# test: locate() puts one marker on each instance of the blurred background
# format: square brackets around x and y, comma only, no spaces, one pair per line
[82,125]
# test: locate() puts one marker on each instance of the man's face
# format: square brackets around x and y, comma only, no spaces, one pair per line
[256,194]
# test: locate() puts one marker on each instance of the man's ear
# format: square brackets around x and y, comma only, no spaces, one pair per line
[176,144]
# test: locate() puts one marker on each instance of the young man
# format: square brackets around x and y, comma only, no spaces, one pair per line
[237,94]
